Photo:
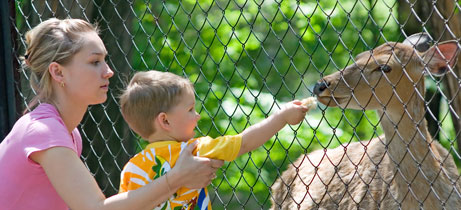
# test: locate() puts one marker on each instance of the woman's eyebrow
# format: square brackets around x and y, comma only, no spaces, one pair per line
[99,53]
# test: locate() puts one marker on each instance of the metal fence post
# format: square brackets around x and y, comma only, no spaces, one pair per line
[7,98]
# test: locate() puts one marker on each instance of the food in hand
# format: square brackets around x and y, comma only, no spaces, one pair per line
[310,102]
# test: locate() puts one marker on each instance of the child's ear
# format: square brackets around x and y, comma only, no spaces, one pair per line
[162,121]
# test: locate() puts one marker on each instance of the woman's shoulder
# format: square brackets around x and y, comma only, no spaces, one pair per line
[44,111]
[37,131]
[43,120]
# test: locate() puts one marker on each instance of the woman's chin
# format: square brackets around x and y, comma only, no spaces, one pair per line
[99,101]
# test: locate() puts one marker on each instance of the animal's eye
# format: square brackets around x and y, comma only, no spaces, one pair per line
[384,68]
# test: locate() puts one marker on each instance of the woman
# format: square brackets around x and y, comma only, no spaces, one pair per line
[39,159]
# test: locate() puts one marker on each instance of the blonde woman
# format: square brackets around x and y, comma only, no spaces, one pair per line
[40,166]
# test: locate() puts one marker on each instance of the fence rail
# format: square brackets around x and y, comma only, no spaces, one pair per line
[7,107]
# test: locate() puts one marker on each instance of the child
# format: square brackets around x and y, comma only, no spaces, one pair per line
[160,107]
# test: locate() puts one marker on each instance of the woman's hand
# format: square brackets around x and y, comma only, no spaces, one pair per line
[193,172]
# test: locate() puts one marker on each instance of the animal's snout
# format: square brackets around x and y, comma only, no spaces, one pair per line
[320,87]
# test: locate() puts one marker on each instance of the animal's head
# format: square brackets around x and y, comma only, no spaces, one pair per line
[390,73]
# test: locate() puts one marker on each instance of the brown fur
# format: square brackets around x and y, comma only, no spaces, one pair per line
[392,171]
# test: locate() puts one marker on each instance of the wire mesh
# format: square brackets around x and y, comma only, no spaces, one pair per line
[246,58]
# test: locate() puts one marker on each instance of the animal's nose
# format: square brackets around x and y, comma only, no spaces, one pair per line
[320,87]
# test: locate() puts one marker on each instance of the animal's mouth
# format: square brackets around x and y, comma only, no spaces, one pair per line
[332,101]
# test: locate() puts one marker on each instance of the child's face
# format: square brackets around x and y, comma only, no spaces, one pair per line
[183,117]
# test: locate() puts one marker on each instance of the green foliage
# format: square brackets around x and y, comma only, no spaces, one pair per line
[246,58]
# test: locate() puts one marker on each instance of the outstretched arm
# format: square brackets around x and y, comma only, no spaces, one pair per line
[256,135]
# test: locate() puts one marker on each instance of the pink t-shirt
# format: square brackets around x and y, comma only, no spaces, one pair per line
[23,183]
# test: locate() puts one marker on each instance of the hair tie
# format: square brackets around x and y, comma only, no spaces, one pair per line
[26,59]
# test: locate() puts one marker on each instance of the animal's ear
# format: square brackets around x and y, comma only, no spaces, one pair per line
[441,57]
[420,41]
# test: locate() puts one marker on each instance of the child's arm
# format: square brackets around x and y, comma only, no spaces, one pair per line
[291,113]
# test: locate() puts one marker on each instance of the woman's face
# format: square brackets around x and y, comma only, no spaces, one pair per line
[86,76]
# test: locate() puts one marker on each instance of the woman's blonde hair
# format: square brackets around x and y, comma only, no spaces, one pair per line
[147,95]
[53,40]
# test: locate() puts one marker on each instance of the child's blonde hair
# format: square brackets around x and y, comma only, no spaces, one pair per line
[149,94]
[52,40]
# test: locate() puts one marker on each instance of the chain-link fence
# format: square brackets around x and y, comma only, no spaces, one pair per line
[246,58]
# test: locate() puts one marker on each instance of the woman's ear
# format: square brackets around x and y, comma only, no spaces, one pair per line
[55,70]
[162,121]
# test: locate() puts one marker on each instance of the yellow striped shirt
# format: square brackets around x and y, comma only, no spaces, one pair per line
[159,157]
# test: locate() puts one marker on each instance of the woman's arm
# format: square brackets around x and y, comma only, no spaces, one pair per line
[77,187]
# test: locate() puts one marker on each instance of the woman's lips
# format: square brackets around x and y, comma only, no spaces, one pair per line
[105,87]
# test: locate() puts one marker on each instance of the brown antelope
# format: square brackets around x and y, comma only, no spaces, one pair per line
[405,168]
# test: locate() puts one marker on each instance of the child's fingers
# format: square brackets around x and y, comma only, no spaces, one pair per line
[297,102]
[304,109]
[297,116]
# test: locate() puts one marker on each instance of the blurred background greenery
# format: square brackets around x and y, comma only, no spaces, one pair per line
[246,59]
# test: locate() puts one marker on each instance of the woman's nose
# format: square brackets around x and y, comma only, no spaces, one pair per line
[109,73]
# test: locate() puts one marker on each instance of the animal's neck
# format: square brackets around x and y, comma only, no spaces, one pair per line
[405,127]
[409,142]
[407,136]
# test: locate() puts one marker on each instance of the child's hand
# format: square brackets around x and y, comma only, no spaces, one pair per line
[293,112]
[256,135]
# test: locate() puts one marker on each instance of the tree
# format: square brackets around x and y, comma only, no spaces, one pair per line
[446,21]
[441,20]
